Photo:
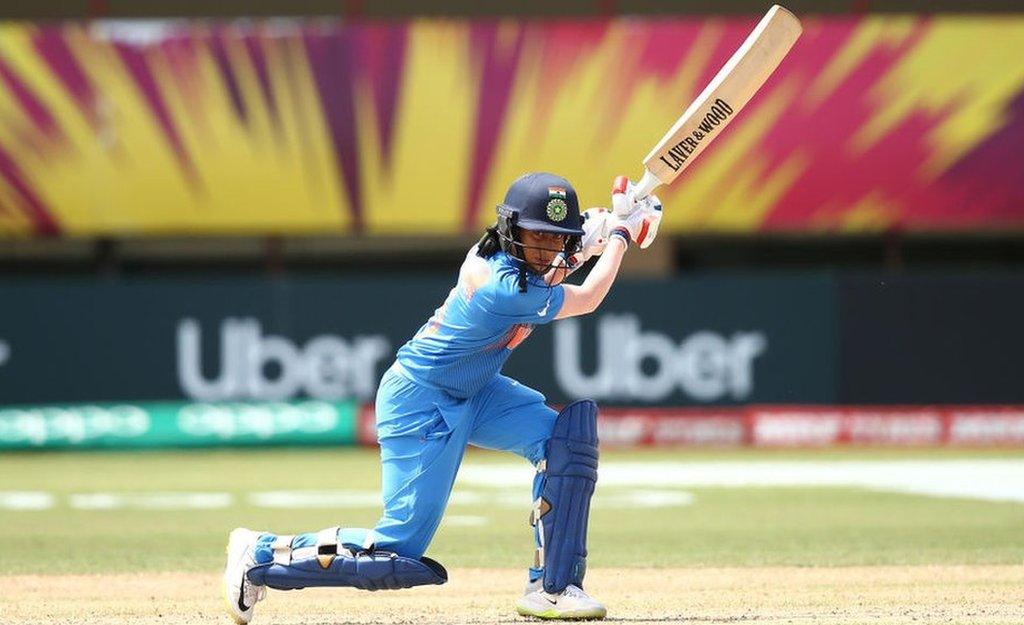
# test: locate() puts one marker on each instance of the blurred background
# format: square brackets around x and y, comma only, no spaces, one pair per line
[219,220]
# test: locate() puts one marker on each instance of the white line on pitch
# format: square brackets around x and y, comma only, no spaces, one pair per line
[464,520]
[150,501]
[26,500]
[991,480]
[512,498]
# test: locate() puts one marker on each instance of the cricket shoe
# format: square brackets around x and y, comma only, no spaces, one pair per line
[570,604]
[240,593]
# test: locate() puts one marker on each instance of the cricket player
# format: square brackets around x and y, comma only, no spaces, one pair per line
[445,391]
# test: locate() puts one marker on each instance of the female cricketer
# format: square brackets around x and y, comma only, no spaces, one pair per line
[445,391]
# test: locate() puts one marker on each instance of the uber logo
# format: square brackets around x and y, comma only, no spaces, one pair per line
[705,365]
[274,368]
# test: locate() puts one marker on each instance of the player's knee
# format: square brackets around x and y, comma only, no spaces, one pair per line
[535,452]
[410,547]
[408,539]
[574,438]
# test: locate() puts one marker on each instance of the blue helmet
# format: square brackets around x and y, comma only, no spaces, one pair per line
[542,202]
[539,202]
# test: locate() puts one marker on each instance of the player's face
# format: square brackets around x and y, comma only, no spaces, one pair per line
[540,248]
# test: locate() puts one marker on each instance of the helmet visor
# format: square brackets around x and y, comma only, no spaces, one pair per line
[537,225]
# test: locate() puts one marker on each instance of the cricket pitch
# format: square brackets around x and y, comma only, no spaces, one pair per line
[839,595]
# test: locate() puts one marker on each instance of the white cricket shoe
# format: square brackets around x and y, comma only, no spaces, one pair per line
[570,604]
[241,594]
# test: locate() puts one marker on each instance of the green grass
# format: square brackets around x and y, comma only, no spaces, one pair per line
[723,527]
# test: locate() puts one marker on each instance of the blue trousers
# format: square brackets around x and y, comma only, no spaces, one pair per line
[423,434]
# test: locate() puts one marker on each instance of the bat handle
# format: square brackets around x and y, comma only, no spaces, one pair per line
[647,184]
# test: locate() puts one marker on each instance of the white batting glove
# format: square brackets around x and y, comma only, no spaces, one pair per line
[651,207]
[624,200]
[639,218]
[595,234]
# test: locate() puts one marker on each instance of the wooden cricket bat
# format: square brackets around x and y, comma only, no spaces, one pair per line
[724,97]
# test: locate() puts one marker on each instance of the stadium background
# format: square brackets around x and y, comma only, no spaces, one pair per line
[200,205]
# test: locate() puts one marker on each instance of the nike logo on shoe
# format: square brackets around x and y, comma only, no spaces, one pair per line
[241,595]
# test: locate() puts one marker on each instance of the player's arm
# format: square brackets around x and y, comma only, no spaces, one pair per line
[596,223]
[585,298]
[639,225]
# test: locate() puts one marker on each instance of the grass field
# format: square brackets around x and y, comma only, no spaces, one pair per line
[678,550]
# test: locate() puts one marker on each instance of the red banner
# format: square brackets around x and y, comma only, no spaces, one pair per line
[797,426]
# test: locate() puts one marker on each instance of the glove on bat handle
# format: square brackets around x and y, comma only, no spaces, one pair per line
[648,183]
[642,189]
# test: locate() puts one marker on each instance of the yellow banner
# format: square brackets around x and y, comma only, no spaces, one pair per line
[121,128]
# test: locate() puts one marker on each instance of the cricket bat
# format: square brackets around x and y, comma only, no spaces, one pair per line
[724,97]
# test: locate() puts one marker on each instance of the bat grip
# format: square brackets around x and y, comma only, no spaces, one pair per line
[647,184]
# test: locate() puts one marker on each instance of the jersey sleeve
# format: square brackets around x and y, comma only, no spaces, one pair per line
[502,300]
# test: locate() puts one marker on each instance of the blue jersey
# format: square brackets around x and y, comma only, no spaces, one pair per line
[465,343]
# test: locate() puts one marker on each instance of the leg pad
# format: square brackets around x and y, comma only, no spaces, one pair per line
[568,477]
[327,564]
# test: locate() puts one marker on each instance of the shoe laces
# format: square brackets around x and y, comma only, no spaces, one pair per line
[252,592]
[574,591]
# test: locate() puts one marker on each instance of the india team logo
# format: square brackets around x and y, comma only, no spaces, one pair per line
[557,208]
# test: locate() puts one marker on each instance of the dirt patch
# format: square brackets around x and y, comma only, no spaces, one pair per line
[842,596]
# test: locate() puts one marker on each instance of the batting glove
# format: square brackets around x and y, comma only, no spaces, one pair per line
[595,234]
[638,218]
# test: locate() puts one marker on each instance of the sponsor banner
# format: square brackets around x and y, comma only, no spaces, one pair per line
[722,340]
[329,126]
[796,426]
[987,426]
[809,426]
[771,339]
[331,339]
[690,427]
[175,424]
[813,426]
[366,428]
[205,340]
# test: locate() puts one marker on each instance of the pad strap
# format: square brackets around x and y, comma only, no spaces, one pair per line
[326,546]
[283,549]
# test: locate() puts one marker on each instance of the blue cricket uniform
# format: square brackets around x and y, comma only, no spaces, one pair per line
[445,391]
[464,345]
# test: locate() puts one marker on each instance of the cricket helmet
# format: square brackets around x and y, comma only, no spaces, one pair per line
[539,202]
[542,202]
